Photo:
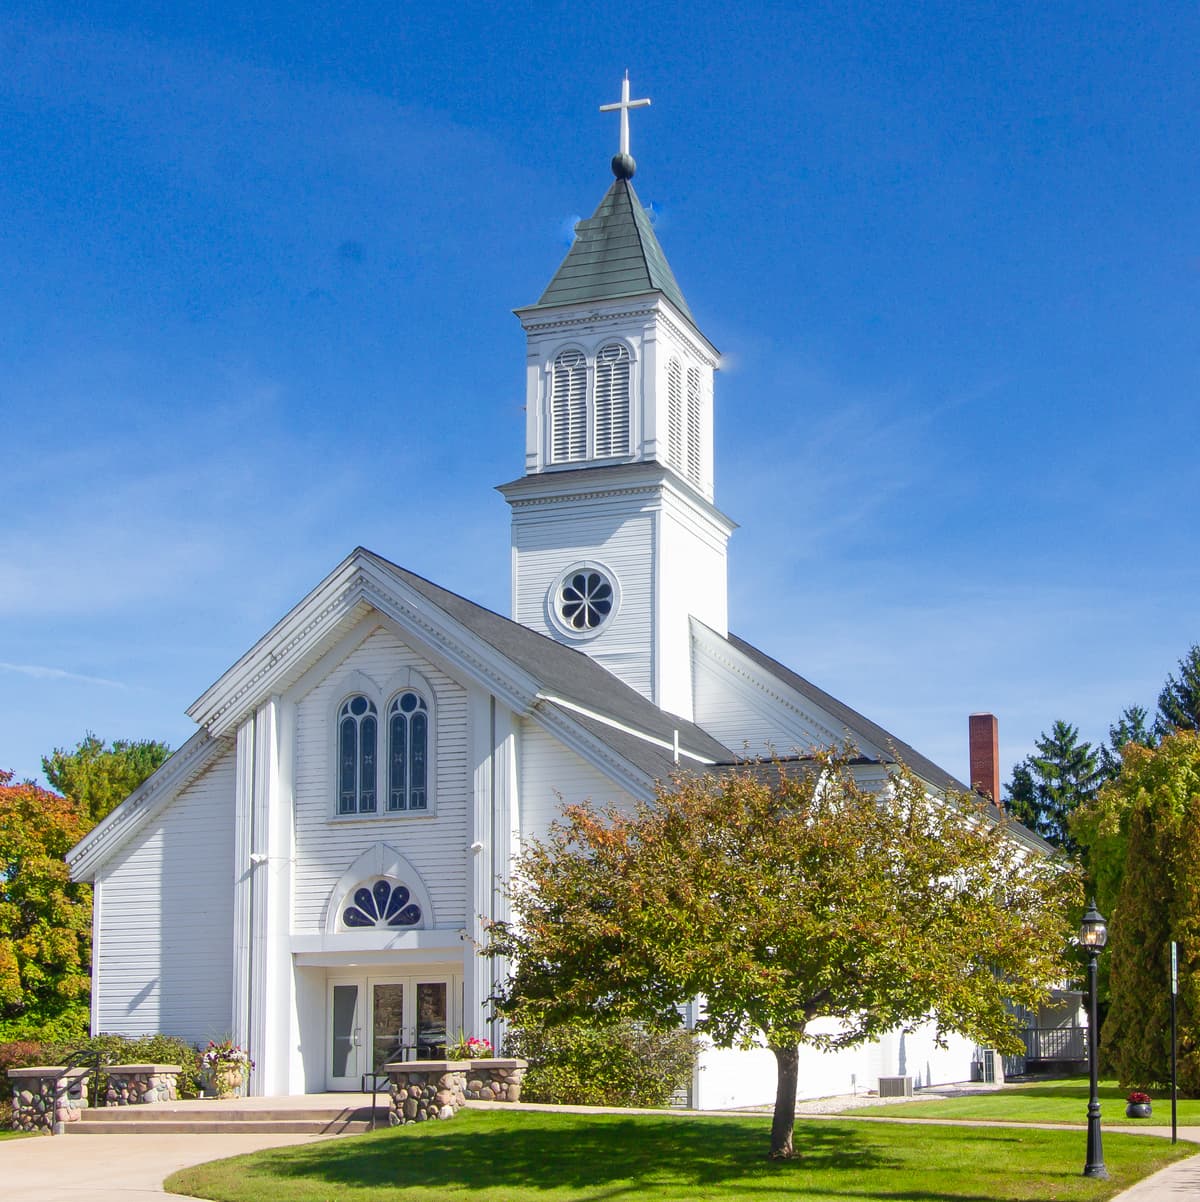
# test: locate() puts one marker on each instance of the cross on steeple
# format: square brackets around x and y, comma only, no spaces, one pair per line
[624,105]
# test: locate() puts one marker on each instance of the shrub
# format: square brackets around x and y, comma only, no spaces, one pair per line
[143,1049]
[618,1064]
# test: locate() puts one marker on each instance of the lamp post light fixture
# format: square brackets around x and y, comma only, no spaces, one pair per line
[1093,935]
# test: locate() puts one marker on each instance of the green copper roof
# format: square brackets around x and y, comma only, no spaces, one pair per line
[615,253]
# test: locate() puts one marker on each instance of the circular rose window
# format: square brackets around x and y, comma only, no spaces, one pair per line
[584,598]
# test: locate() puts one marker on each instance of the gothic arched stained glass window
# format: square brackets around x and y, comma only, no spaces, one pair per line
[358,741]
[408,752]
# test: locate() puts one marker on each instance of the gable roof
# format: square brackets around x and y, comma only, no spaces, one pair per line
[576,684]
[861,726]
[615,254]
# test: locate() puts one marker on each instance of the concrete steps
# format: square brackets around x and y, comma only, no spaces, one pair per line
[217,1119]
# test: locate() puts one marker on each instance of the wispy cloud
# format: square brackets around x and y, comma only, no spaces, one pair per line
[45,672]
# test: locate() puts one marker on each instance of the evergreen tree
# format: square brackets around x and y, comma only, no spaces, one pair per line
[1152,814]
[1179,701]
[1132,727]
[1046,787]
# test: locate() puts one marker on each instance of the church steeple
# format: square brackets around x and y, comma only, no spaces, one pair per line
[617,544]
[615,254]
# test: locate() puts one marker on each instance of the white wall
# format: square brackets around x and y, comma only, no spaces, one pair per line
[552,775]
[164,961]
[435,843]
[733,1078]
[616,532]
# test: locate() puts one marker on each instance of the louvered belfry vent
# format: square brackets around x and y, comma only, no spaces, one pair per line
[568,407]
[612,400]
[675,415]
[693,424]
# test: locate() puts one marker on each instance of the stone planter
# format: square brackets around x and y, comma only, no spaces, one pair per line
[46,1098]
[1137,1110]
[436,1089]
[141,1084]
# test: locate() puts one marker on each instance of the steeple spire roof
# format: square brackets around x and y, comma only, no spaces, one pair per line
[615,254]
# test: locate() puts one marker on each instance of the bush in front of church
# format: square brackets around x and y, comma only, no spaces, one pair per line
[123,1049]
[618,1064]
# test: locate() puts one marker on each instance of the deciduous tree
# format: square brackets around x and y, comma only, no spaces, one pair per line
[98,776]
[784,897]
[45,918]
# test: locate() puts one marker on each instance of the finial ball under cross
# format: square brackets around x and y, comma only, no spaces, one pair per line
[623,164]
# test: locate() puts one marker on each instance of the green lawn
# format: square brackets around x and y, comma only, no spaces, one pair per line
[1063,1101]
[499,1156]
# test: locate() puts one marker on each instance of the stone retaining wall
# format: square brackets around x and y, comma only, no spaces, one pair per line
[48,1097]
[141,1084]
[437,1089]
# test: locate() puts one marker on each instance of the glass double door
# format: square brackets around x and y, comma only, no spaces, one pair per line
[375,1020]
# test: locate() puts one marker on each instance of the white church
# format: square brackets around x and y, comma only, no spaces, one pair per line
[313,871]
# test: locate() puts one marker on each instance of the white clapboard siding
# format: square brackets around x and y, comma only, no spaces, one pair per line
[755,712]
[165,956]
[621,537]
[434,844]
[553,775]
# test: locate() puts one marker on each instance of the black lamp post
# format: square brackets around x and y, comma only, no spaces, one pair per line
[1093,935]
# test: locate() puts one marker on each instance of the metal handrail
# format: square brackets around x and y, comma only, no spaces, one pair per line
[93,1059]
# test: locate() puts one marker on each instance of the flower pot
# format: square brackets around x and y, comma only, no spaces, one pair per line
[1137,1110]
[227,1080]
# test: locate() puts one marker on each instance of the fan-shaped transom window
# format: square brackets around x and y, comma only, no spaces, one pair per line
[358,739]
[612,400]
[382,903]
[568,407]
[408,752]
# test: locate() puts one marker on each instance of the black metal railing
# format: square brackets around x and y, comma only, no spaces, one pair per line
[93,1061]
[1055,1043]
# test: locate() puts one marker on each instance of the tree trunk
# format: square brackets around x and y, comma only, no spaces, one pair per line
[787,1060]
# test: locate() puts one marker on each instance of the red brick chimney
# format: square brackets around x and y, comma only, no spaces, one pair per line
[985,754]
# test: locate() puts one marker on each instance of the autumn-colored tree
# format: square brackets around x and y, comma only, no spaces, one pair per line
[45,918]
[782,897]
[1142,834]
[98,776]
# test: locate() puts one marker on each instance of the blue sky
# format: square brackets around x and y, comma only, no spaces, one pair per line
[258,268]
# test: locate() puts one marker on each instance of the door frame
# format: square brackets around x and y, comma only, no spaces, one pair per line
[365,979]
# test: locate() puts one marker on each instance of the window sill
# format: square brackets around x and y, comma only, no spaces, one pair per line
[382,816]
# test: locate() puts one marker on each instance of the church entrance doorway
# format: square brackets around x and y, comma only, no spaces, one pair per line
[377,1019]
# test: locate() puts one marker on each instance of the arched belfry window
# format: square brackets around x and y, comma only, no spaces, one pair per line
[612,400]
[408,752]
[693,423]
[358,743]
[568,407]
[675,414]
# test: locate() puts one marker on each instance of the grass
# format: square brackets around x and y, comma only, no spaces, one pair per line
[498,1156]
[1063,1101]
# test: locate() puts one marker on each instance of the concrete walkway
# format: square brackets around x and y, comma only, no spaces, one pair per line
[113,1168]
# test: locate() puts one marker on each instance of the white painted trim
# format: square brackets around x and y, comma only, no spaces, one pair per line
[666,745]
[327,943]
[94,1016]
[380,860]
[243,817]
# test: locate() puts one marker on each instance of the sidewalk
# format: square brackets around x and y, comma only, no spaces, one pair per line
[113,1168]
